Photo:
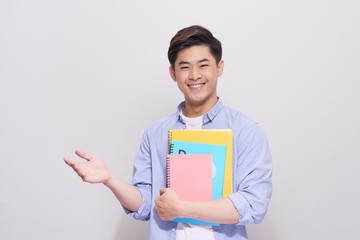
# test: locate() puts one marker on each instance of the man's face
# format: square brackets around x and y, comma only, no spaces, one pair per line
[196,73]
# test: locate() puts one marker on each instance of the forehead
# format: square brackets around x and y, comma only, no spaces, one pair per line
[194,54]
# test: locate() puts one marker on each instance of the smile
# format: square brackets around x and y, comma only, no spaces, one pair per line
[196,85]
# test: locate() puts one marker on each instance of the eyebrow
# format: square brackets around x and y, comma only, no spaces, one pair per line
[200,61]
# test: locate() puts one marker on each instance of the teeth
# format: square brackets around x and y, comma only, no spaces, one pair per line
[196,85]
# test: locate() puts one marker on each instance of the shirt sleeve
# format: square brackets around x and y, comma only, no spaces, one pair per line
[142,179]
[253,170]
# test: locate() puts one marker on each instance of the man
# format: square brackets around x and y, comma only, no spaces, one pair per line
[196,64]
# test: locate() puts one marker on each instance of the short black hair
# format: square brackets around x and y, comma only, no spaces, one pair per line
[194,36]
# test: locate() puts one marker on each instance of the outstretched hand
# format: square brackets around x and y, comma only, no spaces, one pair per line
[93,170]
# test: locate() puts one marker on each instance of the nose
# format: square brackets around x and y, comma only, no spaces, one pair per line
[195,74]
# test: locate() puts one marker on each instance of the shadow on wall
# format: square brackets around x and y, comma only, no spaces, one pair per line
[129,228]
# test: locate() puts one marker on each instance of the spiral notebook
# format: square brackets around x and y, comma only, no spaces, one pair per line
[210,136]
[218,153]
[190,176]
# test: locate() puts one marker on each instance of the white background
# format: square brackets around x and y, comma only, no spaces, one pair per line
[93,75]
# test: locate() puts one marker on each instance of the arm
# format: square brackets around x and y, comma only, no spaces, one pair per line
[252,185]
[169,206]
[95,171]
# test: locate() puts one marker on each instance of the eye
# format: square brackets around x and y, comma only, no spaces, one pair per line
[184,67]
[204,65]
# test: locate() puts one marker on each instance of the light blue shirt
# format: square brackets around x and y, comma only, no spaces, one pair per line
[252,169]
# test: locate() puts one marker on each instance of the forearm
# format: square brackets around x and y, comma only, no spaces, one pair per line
[218,211]
[128,195]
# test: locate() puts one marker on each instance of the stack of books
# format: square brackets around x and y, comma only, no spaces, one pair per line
[199,166]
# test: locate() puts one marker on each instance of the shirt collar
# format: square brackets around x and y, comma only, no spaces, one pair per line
[209,116]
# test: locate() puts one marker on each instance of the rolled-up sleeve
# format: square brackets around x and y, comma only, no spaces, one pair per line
[252,175]
[142,176]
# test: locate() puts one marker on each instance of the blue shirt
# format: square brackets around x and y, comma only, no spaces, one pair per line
[252,169]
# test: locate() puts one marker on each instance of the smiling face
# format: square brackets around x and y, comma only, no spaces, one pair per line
[196,73]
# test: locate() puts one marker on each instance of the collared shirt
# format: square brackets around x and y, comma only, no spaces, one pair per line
[252,169]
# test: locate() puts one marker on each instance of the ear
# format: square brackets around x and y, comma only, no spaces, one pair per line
[172,73]
[220,68]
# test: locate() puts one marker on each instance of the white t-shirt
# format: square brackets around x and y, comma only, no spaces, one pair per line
[185,231]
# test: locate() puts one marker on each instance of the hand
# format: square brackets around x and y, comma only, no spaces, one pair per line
[92,171]
[167,205]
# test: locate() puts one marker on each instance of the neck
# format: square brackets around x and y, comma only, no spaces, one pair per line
[196,110]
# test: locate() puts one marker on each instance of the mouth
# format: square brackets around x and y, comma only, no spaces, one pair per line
[197,85]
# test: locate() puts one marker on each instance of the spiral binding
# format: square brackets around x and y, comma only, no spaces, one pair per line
[171,149]
[168,171]
[171,146]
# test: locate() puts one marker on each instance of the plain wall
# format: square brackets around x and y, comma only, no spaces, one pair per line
[93,75]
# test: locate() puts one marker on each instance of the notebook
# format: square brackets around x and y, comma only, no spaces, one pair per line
[190,176]
[218,153]
[210,136]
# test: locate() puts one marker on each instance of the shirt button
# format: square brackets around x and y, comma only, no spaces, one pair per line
[173,229]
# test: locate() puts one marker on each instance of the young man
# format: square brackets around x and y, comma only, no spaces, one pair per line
[196,65]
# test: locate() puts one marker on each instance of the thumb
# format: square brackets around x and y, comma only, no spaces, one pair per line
[163,190]
[84,155]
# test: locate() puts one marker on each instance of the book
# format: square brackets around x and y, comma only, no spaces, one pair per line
[210,136]
[218,153]
[190,176]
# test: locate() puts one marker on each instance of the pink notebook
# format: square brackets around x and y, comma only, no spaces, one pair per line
[190,176]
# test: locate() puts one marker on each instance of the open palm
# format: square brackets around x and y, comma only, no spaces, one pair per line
[93,170]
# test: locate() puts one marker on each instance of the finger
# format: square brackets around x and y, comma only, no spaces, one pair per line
[162,190]
[69,162]
[84,155]
[157,209]
[73,165]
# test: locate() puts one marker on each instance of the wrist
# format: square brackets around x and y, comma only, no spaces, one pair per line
[109,180]
[185,209]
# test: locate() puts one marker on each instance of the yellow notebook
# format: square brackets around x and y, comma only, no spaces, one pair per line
[210,136]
